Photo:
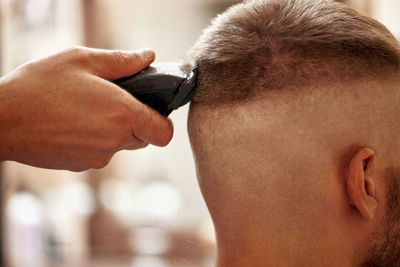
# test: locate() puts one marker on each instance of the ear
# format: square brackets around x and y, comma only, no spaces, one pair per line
[361,183]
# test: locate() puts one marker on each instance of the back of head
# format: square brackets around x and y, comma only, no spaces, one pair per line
[288,91]
[271,45]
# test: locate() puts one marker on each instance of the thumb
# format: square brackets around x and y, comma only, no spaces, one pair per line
[114,64]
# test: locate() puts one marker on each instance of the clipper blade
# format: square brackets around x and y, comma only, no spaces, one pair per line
[164,86]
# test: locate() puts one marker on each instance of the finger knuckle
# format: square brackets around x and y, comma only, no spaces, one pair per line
[74,50]
[121,57]
[31,66]
[122,115]
[77,54]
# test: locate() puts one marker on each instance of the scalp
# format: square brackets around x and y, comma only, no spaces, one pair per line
[274,45]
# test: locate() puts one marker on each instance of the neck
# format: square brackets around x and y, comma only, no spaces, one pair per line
[281,247]
[239,258]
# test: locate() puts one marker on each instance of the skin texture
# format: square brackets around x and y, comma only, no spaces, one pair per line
[300,178]
[384,249]
[294,128]
[261,45]
[61,112]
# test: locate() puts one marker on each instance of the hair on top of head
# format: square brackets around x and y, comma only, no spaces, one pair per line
[275,44]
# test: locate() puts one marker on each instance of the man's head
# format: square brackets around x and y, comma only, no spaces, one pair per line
[294,128]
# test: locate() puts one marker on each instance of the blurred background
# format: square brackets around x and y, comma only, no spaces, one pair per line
[144,209]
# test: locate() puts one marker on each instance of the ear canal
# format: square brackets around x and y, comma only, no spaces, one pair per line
[367,162]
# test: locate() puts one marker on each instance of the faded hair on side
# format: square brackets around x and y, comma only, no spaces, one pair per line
[275,44]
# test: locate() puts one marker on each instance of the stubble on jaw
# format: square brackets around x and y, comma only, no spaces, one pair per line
[384,250]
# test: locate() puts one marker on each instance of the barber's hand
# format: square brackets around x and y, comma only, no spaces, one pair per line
[61,112]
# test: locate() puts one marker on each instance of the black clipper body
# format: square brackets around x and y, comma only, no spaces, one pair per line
[164,86]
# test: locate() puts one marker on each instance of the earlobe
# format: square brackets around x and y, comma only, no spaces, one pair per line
[361,183]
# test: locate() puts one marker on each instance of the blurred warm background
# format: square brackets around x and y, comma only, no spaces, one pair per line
[144,209]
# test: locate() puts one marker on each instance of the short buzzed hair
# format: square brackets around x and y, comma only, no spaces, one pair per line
[275,44]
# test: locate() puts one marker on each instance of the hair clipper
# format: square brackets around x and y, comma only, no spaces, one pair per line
[164,86]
